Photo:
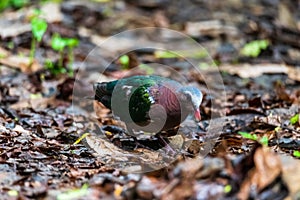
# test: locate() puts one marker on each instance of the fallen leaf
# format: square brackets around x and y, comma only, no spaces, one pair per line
[55,15]
[267,168]
[20,129]
[13,30]
[22,63]
[252,71]
[291,174]
[209,27]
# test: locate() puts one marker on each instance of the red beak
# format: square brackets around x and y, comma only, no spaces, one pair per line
[197,115]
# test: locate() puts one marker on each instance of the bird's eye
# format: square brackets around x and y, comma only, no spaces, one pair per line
[188,96]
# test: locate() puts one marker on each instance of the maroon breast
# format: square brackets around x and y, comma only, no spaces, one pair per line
[167,97]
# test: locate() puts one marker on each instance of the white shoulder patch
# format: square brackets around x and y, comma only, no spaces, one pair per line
[128,89]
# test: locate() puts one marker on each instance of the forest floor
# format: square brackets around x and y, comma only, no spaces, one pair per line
[57,143]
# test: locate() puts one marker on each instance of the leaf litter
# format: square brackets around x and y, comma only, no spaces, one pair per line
[40,157]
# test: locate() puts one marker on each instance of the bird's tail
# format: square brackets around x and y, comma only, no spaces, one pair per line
[100,90]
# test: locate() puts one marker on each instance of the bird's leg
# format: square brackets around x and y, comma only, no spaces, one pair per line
[160,138]
[132,134]
[168,147]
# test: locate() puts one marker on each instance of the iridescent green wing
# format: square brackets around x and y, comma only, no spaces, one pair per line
[131,99]
[140,103]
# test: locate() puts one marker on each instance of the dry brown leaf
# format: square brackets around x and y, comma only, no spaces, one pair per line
[22,63]
[210,27]
[148,186]
[161,20]
[107,149]
[21,105]
[189,168]
[267,168]
[294,73]
[182,191]
[286,14]
[20,129]
[252,71]
[55,15]
[119,158]
[14,29]
[291,174]
[100,110]
[41,103]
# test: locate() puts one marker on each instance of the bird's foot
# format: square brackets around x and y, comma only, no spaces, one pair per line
[169,150]
[129,141]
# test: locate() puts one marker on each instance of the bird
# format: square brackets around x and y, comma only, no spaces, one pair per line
[149,103]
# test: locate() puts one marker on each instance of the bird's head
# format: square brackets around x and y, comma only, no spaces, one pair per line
[192,98]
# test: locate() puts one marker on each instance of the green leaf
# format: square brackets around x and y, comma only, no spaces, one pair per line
[19,3]
[124,60]
[36,96]
[71,42]
[13,193]
[36,13]
[165,54]
[4,4]
[296,154]
[264,141]
[58,43]
[254,48]
[277,129]
[73,194]
[196,54]
[203,65]
[39,27]
[10,45]
[248,135]
[54,69]
[49,64]
[294,119]
[227,189]
[149,70]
